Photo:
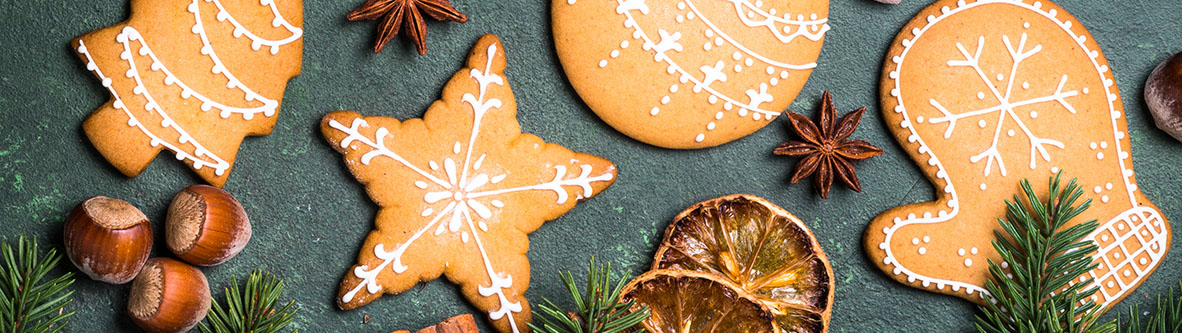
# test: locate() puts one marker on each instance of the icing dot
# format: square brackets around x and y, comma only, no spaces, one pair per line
[718,115]
[973,250]
[1096,189]
[1143,261]
[923,250]
[770,70]
[960,252]
[1026,25]
[1108,186]
[1100,155]
[927,239]
[718,41]
[615,53]
[982,186]
[915,241]
[1104,238]
[680,18]
[919,119]
[980,95]
[1104,198]
[748,62]
[783,74]
[1000,77]
[1054,169]
[981,123]
[1010,132]
[1111,284]
[737,55]
[602,63]
[710,126]
[1092,145]
[707,32]
[1033,114]
[968,262]
[707,46]
[701,136]
[654,111]
[665,100]
[673,88]
[1005,264]
[738,68]
[1103,144]
[774,81]
[1025,85]
[624,44]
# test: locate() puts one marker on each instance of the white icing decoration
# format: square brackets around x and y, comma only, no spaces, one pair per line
[256,41]
[200,157]
[1004,107]
[269,105]
[1150,216]
[462,190]
[750,15]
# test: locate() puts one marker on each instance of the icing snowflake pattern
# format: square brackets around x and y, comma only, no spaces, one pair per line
[1005,107]
[459,192]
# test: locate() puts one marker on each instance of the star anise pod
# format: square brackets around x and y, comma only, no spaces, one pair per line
[405,15]
[824,150]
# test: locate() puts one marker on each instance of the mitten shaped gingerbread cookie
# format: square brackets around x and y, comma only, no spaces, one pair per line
[458,192]
[191,76]
[983,94]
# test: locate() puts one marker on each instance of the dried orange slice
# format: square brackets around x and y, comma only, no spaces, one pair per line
[685,302]
[761,248]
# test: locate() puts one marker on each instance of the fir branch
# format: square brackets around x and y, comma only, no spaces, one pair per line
[1167,317]
[253,308]
[1044,257]
[599,309]
[26,303]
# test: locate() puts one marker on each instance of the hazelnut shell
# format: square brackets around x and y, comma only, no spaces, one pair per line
[168,296]
[108,239]
[206,226]
[1163,96]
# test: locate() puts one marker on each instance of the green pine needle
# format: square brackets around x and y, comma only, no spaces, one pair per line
[1044,256]
[599,309]
[1167,318]
[253,308]
[28,304]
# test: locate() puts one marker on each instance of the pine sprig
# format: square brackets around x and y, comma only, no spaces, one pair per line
[1044,256]
[28,304]
[253,308]
[599,309]
[1167,318]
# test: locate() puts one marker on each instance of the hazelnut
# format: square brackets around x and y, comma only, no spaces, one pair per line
[206,226]
[108,239]
[168,296]
[1163,95]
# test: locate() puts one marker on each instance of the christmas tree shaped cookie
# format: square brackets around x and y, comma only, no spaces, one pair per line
[983,94]
[688,74]
[458,192]
[191,76]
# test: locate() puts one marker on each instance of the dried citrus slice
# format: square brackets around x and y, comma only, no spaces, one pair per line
[761,248]
[685,302]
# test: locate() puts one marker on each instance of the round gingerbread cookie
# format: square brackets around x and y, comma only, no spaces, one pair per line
[982,95]
[689,73]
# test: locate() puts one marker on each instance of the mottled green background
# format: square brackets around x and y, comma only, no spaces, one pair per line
[310,215]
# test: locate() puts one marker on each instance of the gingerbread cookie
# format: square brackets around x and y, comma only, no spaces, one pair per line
[689,73]
[983,94]
[458,192]
[192,76]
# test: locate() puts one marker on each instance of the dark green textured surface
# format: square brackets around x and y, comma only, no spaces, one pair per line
[310,215]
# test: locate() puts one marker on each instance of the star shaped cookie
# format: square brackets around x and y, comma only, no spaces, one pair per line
[193,77]
[459,190]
